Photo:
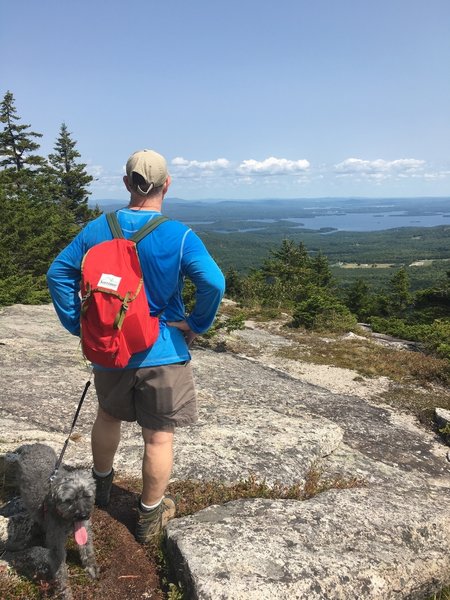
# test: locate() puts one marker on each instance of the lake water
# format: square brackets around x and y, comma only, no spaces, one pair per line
[351,221]
[339,214]
[372,222]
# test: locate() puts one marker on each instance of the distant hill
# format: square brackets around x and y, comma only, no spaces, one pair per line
[389,232]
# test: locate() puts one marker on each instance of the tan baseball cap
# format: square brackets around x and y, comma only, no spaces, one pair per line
[151,166]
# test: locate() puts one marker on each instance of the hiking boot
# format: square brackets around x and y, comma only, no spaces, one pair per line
[103,489]
[150,524]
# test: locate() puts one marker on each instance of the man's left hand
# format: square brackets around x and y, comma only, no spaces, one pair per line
[189,335]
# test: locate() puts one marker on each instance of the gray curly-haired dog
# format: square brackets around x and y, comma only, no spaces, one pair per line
[54,508]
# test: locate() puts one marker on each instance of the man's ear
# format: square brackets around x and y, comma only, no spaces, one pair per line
[126,182]
[167,184]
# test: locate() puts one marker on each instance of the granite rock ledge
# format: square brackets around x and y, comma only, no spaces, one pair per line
[387,540]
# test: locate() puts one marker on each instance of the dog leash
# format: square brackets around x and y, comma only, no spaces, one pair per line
[59,461]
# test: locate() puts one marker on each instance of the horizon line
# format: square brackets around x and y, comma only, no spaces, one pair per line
[265,199]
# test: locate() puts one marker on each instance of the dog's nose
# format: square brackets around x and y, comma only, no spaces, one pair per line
[81,517]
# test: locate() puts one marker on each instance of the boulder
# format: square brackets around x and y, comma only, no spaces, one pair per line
[371,544]
[442,419]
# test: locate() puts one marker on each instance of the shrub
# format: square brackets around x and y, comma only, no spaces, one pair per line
[228,323]
[435,337]
[25,289]
[323,313]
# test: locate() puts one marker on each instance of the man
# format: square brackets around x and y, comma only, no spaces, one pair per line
[156,387]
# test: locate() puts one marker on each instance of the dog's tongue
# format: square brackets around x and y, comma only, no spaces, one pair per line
[80,533]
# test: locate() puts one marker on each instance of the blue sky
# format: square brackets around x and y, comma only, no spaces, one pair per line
[246,99]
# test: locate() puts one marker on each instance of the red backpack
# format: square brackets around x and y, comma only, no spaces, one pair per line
[115,315]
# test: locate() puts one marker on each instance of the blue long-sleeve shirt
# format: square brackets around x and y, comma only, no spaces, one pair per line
[167,255]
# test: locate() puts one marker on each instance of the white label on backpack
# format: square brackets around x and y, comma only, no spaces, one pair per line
[110,282]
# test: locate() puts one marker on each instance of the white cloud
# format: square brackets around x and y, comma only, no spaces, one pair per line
[379,169]
[182,167]
[192,168]
[437,175]
[282,176]
[273,166]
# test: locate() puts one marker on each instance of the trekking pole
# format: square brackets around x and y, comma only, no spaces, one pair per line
[83,395]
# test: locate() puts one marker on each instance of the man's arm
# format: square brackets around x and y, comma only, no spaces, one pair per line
[208,279]
[63,279]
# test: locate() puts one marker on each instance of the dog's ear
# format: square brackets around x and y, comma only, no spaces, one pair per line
[55,485]
[90,483]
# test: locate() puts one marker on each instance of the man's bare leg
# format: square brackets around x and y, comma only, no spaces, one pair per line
[156,464]
[105,438]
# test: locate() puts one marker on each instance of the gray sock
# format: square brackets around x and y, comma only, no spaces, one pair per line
[149,508]
[101,474]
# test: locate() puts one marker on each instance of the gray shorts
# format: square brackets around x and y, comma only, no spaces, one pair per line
[158,398]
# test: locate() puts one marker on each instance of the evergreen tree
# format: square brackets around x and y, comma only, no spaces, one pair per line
[358,298]
[286,273]
[234,285]
[70,177]
[399,294]
[321,269]
[288,276]
[17,144]
[31,234]
[288,262]
[433,303]
[33,227]
[21,169]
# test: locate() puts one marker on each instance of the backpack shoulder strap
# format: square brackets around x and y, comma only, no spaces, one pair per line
[114,225]
[148,227]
